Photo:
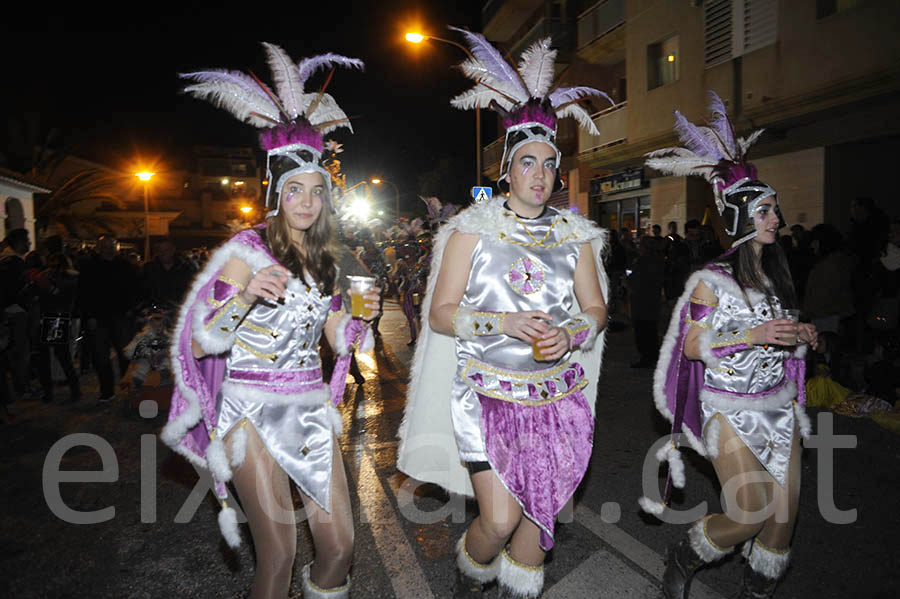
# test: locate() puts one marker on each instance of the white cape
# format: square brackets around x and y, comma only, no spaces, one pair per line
[428,450]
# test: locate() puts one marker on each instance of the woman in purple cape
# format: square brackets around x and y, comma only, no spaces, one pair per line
[250,403]
[731,373]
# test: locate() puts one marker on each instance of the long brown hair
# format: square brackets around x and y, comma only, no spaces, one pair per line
[318,248]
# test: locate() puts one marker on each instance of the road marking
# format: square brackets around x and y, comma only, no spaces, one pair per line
[602,575]
[398,557]
[638,553]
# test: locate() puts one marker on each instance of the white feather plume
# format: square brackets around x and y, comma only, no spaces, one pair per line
[286,78]
[581,116]
[536,67]
[479,97]
[308,66]
[326,111]
[235,100]
[746,142]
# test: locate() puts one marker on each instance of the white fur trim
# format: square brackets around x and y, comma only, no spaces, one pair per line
[803,421]
[725,403]
[229,527]
[238,447]
[337,422]
[176,429]
[368,342]
[769,564]
[668,453]
[313,591]
[462,323]
[471,568]
[251,393]
[711,438]
[217,461]
[702,545]
[747,548]
[704,345]
[651,507]
[523,581]
[213,341]
[800,352]
[340,339]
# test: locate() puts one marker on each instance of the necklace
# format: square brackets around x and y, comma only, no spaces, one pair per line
[535,242]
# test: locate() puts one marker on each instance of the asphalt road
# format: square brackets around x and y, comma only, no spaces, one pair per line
[160,541]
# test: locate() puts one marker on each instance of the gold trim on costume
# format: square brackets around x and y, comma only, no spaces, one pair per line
[238,305]
[261,330]
[520,564]
[735,339]
[231,282]
[697,323]
[243,344]
[703,302]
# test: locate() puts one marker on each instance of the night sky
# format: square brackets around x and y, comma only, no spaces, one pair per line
[107,81]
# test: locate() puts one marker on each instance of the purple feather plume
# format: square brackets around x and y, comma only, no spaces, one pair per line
[564,95]
[242,80]
[493,61]
[722,124]
[695,140]
[298,132]
[308,66]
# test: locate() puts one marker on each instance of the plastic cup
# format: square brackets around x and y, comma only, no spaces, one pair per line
[794,316]
[537,352]
[416,299]
[359,286]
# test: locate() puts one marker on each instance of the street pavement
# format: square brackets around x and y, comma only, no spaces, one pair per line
[161,539]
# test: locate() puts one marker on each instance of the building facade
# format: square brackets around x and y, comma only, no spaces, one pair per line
[821,76]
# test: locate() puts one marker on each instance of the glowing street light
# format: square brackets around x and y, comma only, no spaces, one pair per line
[361,208]
[246,209]
[145,177]
[416,38]
[376,181]
[379,181]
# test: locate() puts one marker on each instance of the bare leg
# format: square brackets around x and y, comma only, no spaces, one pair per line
[779,528]
[525,544]
[498,517]
[332,533]
[265,495]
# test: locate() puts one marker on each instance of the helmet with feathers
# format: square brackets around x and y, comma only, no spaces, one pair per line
[523,96]
[292,120]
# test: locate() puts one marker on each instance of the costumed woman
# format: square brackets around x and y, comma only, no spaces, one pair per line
[731,372]
[250,403]
[487,413]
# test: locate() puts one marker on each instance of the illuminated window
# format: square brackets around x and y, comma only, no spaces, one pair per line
[663,59]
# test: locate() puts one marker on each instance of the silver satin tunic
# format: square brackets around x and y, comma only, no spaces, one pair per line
[768,433]
[507,277]
[279,342]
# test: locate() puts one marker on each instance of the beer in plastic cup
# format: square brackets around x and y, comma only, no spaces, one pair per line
[537,352]
[794,316]
[359,286]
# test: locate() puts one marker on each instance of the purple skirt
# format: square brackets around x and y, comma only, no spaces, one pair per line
[539,452]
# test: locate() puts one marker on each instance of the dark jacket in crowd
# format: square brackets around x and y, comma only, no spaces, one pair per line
[167,284]
[107,288]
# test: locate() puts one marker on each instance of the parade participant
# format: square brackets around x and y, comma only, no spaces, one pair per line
[505,369]
[250,404]
[731,373]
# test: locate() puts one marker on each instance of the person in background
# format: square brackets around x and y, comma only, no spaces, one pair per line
[166,278]
[58,287]
[645,284]
[107,291]
[13,302]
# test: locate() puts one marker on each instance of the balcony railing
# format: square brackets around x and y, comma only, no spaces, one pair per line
[491,154]
[613,126]
[554,28]
[596,22]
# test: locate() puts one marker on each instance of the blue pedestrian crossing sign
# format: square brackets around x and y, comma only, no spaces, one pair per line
[480,194]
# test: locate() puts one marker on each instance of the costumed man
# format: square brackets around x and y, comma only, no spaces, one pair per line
[250,404]
[505,370]
[731,372]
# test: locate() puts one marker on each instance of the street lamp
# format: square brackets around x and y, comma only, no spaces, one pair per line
[145,177]
[417,38]
[377,181]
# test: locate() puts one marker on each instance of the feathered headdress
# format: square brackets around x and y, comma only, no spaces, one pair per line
[293,121]
[522,94]
[715,153]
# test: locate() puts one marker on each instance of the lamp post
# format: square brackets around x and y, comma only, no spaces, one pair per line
[418,38]
[378,181]
[145,177]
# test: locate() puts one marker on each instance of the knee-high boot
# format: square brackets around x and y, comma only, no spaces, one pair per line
[765,567]
[687,556]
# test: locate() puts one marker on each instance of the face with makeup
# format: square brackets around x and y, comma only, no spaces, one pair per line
[301,200]
[766,217]
[531,177]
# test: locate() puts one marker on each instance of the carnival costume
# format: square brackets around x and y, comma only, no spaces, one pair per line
[262,364]
[757,390]
[531,421]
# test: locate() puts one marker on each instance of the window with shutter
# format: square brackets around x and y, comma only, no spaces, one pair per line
[717,32]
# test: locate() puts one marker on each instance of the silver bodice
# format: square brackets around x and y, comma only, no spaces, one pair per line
[753,370]
[530,268]
[282,336]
